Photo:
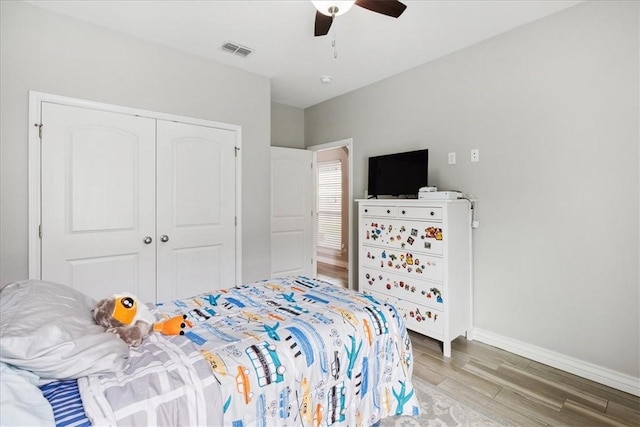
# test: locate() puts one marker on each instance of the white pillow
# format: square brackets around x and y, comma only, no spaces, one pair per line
[47,328]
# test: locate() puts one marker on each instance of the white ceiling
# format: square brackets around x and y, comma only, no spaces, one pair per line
[370,46]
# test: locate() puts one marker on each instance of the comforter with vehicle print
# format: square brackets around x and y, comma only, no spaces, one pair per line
[279,352]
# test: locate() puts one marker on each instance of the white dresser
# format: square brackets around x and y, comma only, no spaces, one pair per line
[416,255]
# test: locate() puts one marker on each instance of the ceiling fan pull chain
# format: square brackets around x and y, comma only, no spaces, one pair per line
[335,49]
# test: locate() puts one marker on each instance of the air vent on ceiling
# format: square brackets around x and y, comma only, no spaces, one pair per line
[236,49]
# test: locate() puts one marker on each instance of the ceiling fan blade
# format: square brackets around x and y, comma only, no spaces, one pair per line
[386,7]
[323,23]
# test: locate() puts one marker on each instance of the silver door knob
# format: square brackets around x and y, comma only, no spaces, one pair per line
[164,238]
[147,240]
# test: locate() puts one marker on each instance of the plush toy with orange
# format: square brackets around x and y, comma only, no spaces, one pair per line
[124,316]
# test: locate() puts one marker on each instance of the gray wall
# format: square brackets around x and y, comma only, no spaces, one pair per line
[553,108]
[287,126]
[50,53]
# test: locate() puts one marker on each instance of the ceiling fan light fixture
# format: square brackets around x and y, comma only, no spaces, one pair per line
[332,8]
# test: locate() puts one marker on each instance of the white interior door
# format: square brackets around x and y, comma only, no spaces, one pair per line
[196,209]
[292,198]
[98,201]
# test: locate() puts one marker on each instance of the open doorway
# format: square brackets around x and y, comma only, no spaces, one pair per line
[333,200]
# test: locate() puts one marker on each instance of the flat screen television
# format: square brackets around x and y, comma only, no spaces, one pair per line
[399,174]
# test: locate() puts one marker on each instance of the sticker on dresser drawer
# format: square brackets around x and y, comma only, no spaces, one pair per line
[411,289]
[418,236]
[403,262]
[422,319]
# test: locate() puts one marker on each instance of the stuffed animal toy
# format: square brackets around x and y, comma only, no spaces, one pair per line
[122,315]
[172,326]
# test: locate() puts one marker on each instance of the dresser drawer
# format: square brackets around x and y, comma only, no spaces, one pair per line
[421,237]
[379,211]
[420,212]
[408,288]
[403,262]
[422,319]
[419,318]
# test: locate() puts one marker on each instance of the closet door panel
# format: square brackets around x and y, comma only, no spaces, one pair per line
[197,163]
[196,209]
[98,201]
[195,267]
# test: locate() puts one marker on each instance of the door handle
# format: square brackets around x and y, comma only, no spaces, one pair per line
[147,240]
[164,238]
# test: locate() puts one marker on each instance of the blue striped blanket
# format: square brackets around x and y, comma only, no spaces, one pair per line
[64,398]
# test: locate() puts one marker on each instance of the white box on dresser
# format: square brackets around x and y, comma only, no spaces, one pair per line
[416,255]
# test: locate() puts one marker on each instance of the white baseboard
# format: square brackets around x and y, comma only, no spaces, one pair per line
[578,367]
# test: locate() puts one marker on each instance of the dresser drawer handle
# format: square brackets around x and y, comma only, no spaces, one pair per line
[366,210]
[388,211]
[432,213]
[404,212]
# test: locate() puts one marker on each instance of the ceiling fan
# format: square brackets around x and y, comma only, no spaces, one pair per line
[328,10]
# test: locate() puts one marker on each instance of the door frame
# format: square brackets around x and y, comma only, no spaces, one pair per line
[348,143]
[35,208]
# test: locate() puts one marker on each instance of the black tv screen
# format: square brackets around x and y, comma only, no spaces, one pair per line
[399,174]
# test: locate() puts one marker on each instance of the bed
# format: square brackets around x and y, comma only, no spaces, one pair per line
[289,351]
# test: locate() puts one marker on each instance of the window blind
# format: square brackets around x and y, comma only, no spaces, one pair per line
[330,205]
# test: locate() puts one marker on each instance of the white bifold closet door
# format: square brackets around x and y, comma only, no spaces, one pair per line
[136,204]
[196,209]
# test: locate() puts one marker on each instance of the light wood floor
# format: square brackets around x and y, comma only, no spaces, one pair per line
[332,274]
[520,390]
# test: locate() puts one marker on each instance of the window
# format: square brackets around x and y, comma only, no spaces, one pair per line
[330,205]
